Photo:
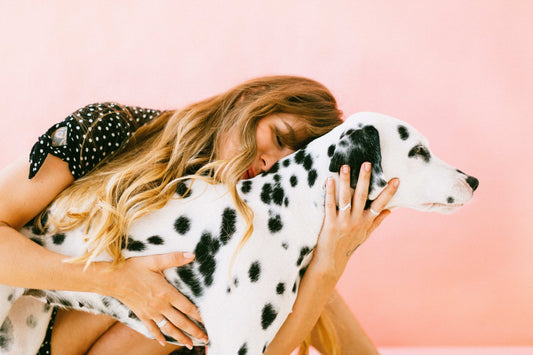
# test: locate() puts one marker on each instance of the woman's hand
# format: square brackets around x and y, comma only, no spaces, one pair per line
[139,284]
[345,229]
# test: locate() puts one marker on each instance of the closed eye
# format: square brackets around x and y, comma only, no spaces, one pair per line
[278,140]
[419,151]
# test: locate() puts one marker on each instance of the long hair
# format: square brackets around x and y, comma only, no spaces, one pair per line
[183,144]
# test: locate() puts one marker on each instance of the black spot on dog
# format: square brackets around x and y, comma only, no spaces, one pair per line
[187,275]
[303,253]
[286,202]
[204,251]
[58,238]
[156,240]
[363,146]
[106,302]
[311,177]
[331,149]
[278,194]
[37,241]
[31,321]
[275,224]
[6,334]
[266,194]
[286,162]
[280,288]
[285,245]
[308,162]
[254,272]
[265,348]
[343,143]
[450,200]
[183,190]
[302,271]
[246,186]
[229,224]
[132,315]
[34,224]
[243,350]
[293,180]
[10,298]
[64,302]
[404,133]
[182,225]
[235,281]
[294,287]
[268,315]
[299,156]
[277,177]
[135,245]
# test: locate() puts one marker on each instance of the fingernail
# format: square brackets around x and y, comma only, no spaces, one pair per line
[162,343]
[396,182]
[367,166]
[205,340]
[188,346]
[188,255]
[346,169]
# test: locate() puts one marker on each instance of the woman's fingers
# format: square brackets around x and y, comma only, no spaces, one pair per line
[155,331]
[164,301]
[345,192]
[361,189]
[384,197]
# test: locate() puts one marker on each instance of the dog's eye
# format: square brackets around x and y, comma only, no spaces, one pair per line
[420,151]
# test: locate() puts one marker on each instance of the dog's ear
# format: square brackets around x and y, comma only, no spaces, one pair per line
[355,147]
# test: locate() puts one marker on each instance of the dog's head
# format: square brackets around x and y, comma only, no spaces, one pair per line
[397,150]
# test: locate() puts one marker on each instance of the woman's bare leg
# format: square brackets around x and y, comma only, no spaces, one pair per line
[351,336]
[121,339]
[75,331]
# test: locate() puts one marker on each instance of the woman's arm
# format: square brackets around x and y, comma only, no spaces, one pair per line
[342,232]
[24,263]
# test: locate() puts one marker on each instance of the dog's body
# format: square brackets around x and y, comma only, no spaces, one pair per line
[243,312]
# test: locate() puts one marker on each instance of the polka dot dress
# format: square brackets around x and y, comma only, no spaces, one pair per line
[45,348]
[83,139]
[88,135]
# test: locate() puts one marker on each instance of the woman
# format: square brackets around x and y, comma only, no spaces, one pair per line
[235,135]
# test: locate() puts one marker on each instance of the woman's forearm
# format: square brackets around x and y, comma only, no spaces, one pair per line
[24,263]
[313,294]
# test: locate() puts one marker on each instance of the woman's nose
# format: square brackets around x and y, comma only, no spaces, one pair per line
[266,163]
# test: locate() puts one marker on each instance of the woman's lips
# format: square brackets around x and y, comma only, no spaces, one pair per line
[248,174]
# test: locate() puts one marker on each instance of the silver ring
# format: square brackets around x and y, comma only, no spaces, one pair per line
[161,323]
[374,212]
[348,205]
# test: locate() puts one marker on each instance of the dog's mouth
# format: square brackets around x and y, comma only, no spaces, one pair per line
[442,207]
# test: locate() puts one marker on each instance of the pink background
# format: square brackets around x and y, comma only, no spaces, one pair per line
[460,71]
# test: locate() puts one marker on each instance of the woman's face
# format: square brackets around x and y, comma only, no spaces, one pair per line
[271,141]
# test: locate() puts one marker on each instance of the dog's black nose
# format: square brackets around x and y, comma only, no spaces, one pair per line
[473,182]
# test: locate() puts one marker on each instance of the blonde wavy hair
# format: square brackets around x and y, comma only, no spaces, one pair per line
[182,145]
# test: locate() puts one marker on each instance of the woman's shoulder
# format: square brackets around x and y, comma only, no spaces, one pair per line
[89,134]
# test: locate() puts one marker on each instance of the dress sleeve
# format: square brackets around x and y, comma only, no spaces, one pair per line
[87,136]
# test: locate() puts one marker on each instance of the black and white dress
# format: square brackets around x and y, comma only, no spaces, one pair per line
[83,140]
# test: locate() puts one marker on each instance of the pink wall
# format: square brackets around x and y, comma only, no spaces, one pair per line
[458,70]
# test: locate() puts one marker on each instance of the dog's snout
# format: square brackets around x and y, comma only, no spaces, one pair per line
[473,182]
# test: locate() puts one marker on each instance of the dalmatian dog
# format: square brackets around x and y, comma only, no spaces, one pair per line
[243,305]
